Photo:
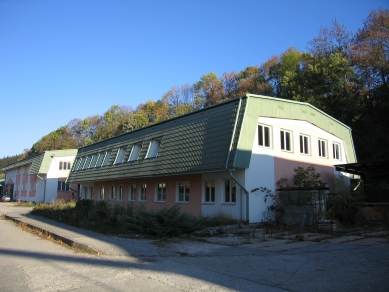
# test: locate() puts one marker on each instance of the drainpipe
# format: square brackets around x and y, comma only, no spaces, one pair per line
[230,170]
[44,189]
[246,192]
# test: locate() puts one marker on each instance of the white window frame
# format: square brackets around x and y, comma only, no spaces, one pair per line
[153,149]
[305,144]
[322,148]
[106,158]
[101,192]
[120,193]
[209,191]
[120,155]
[112,192]
[132,192]
[228,194]
[142,192]
[135,151]
[183,197]
[336,151]
[160,192]
[264,136]
[286,139]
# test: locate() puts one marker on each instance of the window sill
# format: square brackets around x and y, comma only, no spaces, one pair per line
[179,202]
[160,202]
[208,203]
[229,204]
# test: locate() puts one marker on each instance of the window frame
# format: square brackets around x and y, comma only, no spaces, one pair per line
[112,192]
[132,193]
[135,152]
[120,155]
[232,191]
[101,192]
[120,193]
[262,136]
[208,191]
[322,148]
[284,140]
[160,192]
[305,146]
[336,155]
[185,195]
[153,149]
[142,192]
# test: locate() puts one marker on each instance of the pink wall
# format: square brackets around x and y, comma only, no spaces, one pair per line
[193,207]
[283,168]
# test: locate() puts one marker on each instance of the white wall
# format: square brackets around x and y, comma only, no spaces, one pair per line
[235,210]
[268,165]
[53,174]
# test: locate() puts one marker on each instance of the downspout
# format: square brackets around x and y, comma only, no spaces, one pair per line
[230,170]
[44,188]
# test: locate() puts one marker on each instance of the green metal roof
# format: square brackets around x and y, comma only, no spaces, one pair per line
[193,143]
[213,139]
[40,163]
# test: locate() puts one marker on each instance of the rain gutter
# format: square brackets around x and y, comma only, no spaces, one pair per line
[230,170]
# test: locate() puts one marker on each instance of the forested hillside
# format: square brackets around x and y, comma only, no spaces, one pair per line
[343,74]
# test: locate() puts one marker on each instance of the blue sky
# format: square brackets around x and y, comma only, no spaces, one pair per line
[61,60]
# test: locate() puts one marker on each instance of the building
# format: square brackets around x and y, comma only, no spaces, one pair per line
[210,161]
[41,178]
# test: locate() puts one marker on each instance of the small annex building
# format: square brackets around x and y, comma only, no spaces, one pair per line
[42,177]
[210,161]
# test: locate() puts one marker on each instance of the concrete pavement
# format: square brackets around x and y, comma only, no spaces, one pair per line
[113,245]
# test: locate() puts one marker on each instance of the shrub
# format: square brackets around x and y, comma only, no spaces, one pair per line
[345,204]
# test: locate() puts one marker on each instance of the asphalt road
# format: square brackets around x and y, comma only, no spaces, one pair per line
[29,263]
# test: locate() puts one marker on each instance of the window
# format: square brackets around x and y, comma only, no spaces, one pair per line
[286,138]
[153,148]
[132,192]
[304,144]
[63,187]
[161,192]
[336,151]
[81,161]
[142,192]
[85,194]
[101,193]
[135,150]
[112,193]
[100,159]
[322,148]
[63,165]
[93,161]
[264,136]
[106,158]
[209,186]
[120,193]
[90,192]
[87,162]
[120,155]
[183,192]
[229,191]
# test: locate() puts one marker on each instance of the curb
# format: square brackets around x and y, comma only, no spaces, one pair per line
[65,240]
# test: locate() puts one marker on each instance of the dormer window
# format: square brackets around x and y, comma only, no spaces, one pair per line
[135,152]
[153,148]
[120,155]
[106,158]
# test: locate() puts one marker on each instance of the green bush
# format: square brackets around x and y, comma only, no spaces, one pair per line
[345,205]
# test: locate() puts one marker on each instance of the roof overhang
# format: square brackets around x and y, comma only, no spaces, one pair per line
[376,169]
